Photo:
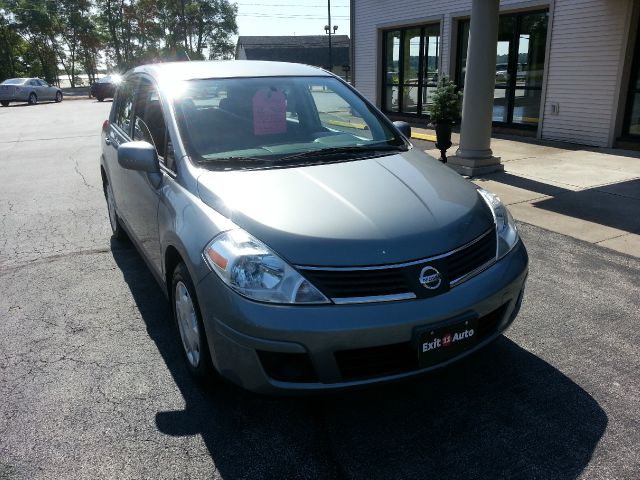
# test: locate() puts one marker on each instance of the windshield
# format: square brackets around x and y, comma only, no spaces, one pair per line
[111,79]
[14,81]
[273,119]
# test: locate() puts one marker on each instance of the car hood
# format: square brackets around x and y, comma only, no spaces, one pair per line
[390,209]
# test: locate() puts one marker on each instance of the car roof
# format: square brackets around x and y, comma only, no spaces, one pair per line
[227,69]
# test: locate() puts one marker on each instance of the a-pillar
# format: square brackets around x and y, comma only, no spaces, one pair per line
[474,155]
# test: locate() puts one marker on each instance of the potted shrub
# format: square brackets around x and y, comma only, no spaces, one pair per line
[444,111]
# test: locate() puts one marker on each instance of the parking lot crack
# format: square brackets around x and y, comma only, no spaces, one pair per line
[76,167]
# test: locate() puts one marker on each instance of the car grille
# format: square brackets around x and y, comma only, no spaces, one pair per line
[395,282]
[379,361]
[359,283]
[466,260]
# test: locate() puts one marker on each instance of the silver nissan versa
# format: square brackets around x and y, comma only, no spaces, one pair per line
[304,244]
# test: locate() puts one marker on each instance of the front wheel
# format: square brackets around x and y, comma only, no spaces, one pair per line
[58,97]
[4,103]
[100,99]
[33,98]
[186,314]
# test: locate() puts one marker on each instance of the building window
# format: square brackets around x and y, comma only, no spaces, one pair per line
[410,68]
[520,57]
[631,126]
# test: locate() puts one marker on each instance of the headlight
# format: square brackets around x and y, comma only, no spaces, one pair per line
[253,270]
[505,226]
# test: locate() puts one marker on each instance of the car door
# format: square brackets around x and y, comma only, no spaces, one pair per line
[48,90]
[138,196]
[119,132]
[143,196]
[34,86]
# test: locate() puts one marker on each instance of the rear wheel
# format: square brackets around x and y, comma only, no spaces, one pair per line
[116,227]
[100,99]
[4,103]
[58,97]
[186,314]
[33,98]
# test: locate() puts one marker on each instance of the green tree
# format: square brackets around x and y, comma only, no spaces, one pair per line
[12,48]
[38,35]
[35,22]
[72,22]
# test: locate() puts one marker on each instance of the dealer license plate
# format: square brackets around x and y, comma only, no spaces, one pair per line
[442,343]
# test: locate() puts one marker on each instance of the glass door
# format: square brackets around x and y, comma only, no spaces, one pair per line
[431,41]
[410,69]
[520,56]
[528,68]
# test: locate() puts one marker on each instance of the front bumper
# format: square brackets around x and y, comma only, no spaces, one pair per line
[240,331]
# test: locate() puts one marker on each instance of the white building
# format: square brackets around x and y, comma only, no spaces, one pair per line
[565,70]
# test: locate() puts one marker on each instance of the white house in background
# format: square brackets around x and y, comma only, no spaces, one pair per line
[565,70]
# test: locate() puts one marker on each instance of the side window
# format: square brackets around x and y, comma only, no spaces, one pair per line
[124,107]
[34,83]
[149,124]
[43,83]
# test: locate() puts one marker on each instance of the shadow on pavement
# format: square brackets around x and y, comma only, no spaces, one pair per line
[524,183]
[503,413]
[614,205]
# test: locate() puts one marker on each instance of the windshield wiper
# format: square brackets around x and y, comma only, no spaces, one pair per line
[340,150]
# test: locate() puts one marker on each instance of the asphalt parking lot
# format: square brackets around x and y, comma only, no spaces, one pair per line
[92,384]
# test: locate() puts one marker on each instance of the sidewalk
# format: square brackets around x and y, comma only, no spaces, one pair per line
[589,194]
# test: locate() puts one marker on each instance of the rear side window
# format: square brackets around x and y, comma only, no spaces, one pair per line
[124,106]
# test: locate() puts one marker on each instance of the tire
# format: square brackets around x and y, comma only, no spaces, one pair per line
[4,103]
[100,99]
[33,99]
[58,97]
[188,320]
[116,227]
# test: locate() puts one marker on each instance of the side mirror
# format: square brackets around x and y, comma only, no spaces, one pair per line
[141,156]
[404,128]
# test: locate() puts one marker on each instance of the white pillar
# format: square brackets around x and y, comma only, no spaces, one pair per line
[474,155]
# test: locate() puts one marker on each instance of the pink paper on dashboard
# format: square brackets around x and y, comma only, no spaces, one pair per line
[269,112]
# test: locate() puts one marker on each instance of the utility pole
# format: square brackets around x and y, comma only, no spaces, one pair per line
[330,30]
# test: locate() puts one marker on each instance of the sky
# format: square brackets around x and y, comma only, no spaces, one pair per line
[290,17]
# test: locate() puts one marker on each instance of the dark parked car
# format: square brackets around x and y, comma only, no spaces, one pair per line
[105,87]
[298,252]
[29,90]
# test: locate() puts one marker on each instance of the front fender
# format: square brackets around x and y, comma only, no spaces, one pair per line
[188,225]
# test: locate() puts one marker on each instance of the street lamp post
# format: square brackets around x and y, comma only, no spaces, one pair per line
[330,30]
